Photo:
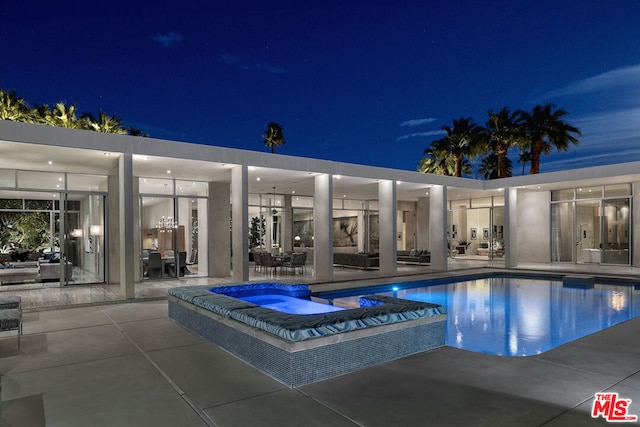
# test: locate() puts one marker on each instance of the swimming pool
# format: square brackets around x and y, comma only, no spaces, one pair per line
[518,316]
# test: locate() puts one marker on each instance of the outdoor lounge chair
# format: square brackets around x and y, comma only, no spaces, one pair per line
[11,314]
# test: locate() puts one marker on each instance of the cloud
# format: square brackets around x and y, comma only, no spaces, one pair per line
[418,122]
[606,109]
[627,77]
[168,40]
[420,134]
[235,61]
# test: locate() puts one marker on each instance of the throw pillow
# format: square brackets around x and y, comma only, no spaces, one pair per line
[412,252]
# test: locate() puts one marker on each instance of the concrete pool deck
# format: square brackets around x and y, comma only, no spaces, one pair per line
[129,365]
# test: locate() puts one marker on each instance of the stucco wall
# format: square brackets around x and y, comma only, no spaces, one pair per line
[534,222]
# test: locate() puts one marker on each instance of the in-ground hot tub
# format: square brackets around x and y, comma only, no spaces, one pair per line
[298,349]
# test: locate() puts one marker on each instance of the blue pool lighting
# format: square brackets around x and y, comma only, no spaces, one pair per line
[516,316]
[291,305]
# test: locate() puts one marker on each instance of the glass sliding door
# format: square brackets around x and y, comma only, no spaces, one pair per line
[562,240]
[616,231]
[83,224]
[497,232]
[587,230]
[160,229]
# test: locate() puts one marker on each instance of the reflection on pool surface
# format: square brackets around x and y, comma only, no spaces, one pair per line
[522,317]
[291,305]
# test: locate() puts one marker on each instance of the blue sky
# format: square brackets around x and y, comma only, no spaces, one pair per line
[361,81]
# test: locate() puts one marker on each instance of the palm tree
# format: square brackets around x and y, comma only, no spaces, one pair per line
[545,129]
[436,161]
[273,136]
[503,131]
[489,167]
[60,115]
[465,140]
[12,107]
[524,157]
[104,123]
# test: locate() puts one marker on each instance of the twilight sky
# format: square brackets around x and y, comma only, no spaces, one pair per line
[359,81]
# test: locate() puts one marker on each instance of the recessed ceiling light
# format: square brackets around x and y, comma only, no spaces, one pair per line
[50,162]
[168,171]
[293,191]
[338,176]
[399,182]
[258,179]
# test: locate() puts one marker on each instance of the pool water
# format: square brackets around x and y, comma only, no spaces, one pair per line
[291,305]
[523,317]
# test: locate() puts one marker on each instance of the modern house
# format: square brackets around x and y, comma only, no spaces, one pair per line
[121,209]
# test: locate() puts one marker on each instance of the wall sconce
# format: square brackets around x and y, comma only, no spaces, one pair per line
[76,232]
[95,230]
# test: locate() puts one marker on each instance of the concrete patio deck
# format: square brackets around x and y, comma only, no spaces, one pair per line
[129,365]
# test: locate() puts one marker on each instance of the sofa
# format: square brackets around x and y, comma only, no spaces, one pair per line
[17,275]
[359,260]
[50,271]
[38,271]
[483,250]
[415,256]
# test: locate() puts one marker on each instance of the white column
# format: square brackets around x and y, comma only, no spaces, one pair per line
[240,219]
[438,226]
[218,239]
[388,227]
[287,224]
[422,224]
[323,228]
[511,227]
[203,236]
[128,251]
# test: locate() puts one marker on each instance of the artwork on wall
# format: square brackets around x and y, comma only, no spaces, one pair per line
[485,233]
[345,231]
[474,234]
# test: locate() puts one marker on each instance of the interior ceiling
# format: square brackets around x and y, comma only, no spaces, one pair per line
[36,157]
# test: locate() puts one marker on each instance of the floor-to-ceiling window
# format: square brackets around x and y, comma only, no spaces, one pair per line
[356,226]
[56,220]
[591,225]
[476,228]
[173,228]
